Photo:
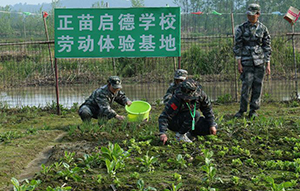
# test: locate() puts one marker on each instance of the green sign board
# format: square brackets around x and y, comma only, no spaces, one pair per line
[117,32]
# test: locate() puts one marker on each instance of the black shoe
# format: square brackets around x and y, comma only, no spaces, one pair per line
[191,136]
[253,114]
[239,114]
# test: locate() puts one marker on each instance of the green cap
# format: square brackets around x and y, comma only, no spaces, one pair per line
[115,82]
[180,74]
[253,9]
[187,90]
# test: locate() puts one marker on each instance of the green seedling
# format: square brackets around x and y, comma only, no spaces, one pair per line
[113,151]
[135,175]
[112,167]
[177,177]
[174,187]
[134,146]
[99,178]
[179,162]
[209,169]
[251,162]
[69,157]
[147,162]
[27,186]
[68,173]
[57,165]
[235,180]
[141,186]
[62,188]
[90,161]
[279,187]
[45,169]
[237,162]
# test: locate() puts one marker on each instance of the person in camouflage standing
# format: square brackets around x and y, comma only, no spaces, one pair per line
[98,104]
[179,76]
[252,49]
[181,116]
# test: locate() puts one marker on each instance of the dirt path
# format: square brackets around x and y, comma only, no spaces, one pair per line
[34,166]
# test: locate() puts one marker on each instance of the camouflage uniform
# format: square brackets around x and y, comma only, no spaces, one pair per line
[179,74]
[253,47]
[98,104]
[176,115]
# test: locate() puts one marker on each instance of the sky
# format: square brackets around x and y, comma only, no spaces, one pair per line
[13,2]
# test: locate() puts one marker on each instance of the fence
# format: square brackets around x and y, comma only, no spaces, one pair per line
[27,75]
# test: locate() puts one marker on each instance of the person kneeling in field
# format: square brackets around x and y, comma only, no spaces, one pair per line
[181,116]
[98,105]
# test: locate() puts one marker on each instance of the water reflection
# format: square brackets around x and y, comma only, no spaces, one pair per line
[151,92]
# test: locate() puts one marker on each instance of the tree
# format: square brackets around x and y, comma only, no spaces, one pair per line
[137,3]
[5,20]
[99,4]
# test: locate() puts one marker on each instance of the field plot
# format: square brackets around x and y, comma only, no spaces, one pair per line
[246,154]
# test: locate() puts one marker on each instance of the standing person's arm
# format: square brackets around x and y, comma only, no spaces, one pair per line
[237,48]
[266,46]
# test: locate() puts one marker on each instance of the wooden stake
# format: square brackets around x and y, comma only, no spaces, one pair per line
[47,36]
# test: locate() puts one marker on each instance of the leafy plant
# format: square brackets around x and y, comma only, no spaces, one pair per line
[90,160]
[114,157]
[179,162]
[141,186]
[45,169]
[279,187]
[209,168]
[69,157]
[112,167]
[147,162]
[68,172]
[27,186]
[235,180]
[62,188]
[177,177]
[174,187]
[114,153]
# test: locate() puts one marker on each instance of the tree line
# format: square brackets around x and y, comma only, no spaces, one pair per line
[22,25]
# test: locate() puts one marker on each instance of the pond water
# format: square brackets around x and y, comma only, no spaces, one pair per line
[152,92]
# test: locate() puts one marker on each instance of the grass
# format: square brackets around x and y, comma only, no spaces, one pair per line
[246,154]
